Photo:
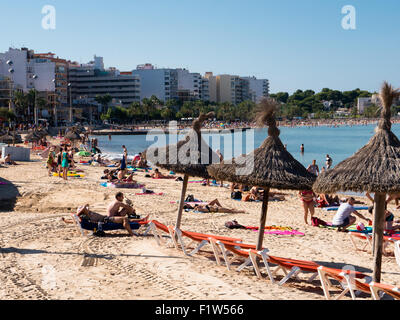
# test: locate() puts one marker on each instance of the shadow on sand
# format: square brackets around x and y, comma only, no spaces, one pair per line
[8,195]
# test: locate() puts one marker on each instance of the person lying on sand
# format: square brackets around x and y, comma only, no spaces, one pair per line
[83,212]
[110,175]
[7,160]
[158,175]
[256,194]
[213,206]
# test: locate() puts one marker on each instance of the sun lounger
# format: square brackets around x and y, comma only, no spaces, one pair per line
[378,289]
[349,282]
[87,228]
[290,267]
[238,251]
[200,238]
[367,238]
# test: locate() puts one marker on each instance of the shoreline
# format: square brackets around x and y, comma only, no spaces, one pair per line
[231,128]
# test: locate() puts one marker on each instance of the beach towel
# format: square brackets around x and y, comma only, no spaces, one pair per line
[278,230]
[70,174]
[336,208]
[192,203]
[109,226]
[150,194]
[164,178]
[122,185]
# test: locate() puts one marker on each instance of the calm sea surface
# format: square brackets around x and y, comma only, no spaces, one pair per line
[339,143]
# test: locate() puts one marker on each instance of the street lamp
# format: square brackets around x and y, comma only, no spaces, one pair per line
[70,103]
[55,105]
[34,77]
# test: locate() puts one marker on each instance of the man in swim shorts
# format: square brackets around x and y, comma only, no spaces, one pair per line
[343,218]
[118,208]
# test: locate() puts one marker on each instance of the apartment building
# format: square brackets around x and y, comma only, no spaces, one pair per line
[162,83]
[91,80]
[28,71]
[258,88]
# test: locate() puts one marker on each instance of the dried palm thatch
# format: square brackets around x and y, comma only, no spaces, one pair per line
[6,138]
[33,136]
[72,135]
[190,156]
[376,166]
[270,165]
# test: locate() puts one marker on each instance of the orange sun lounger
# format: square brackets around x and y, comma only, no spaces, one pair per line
[376,288]
[348,279]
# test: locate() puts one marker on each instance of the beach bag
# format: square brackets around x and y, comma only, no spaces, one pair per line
[316,222]
[190,198]
[236,195]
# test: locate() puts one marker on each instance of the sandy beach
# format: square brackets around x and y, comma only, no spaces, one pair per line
[44,258]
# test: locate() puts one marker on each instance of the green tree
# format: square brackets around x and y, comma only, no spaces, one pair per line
[104,101]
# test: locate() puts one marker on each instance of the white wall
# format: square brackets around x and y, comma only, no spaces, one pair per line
[19,59]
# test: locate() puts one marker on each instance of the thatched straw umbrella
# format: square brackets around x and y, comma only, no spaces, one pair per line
[7,139]
[373,168]
[269,166]
[31,137]
[190,156]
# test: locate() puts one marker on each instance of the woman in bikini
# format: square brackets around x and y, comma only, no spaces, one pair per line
[307,198]
[214,206]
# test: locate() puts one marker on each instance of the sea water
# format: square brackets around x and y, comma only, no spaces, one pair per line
[339,142]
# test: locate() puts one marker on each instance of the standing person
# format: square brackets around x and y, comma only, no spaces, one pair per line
[328,162]
[313,168]
[221,158]
[124,158]
[59,162]
[50,161]
[307,198]
[64,163]
[302,148]
[109,137]
[343,218]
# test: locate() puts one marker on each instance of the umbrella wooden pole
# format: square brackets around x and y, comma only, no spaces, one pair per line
[182,202]
[379,217]
[263,219]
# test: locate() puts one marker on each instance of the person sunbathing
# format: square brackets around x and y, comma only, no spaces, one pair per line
[213,206]
[256,194]
[7,160]
[118,208]
[158,175]
[84,213]
[130,178]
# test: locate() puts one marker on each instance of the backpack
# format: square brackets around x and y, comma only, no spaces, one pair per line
[236,195]
[317,222]
[234,225]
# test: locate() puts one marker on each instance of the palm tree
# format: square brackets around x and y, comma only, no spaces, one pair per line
[21,102]
[104,101]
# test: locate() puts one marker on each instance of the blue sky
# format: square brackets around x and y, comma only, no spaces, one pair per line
[297,44]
